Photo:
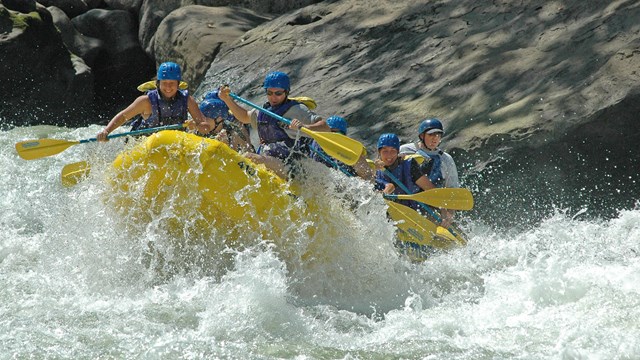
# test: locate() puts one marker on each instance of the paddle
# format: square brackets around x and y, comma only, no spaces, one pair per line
[73,173]
[335,145]
[36,149]
[425,207]
[419,228]
[445,198]
[410,221]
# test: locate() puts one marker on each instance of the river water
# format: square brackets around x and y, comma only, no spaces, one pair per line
[75,283]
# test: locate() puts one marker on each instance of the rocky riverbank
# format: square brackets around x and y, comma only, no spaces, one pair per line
[539,98]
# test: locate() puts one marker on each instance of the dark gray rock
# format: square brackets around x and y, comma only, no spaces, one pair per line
[86,47]
[23,6]
[193,35]
[94,4]
[123,65]
[133,6]
[72,8]
[46,84]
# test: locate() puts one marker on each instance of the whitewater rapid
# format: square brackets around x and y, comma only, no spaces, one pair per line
[76,282]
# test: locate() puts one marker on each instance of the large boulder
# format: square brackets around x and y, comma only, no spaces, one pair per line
[152,12]
[193,35]
[43,82]
[524,89]
[133,6]
[72,8]
[123,65]
[86,47]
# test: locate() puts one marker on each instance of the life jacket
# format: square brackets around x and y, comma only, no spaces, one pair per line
[164,112]
[270,129]
[402,172]
[436,169]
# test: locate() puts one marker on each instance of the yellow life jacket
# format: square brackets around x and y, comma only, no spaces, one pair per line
[307,101]
[151,85]
[417,157]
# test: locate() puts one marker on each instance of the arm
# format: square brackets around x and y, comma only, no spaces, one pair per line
[420,179]
[449,172]
[381,184]
[447,217]
[138,106]
[363,169]
[194,111]
[201,122]
[320,125]
[240,113]
[424,183]
[306,118]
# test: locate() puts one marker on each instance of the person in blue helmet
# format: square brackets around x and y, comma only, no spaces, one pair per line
[166,105]
[406,171]
[224,126]
[280,144]
[361,168]
[443,171]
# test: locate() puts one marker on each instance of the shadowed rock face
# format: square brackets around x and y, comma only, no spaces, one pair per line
[194,35]
[43,82]
[122,64]
[523,89]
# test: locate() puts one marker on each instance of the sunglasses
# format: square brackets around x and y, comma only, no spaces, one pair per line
[276,93]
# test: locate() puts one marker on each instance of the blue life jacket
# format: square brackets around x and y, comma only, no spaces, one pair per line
[402,172]
[270,129]
[274,140]
[436,169]
[164,112]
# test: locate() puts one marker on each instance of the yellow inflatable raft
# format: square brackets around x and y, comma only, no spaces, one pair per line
[209,185]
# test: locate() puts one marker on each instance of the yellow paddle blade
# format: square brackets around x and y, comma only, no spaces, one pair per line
[337,146]
[446,198]
[411,222]
[458,238]
[422,230]
[35,149]
[74,173]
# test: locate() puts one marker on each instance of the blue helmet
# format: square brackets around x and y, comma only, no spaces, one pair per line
[336,122]
[277,79]
[212,95]
[431,126]
[169,71]
[390,140]
[212,108]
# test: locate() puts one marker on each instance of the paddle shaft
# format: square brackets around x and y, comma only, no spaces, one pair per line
[137,132]
[268,112]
